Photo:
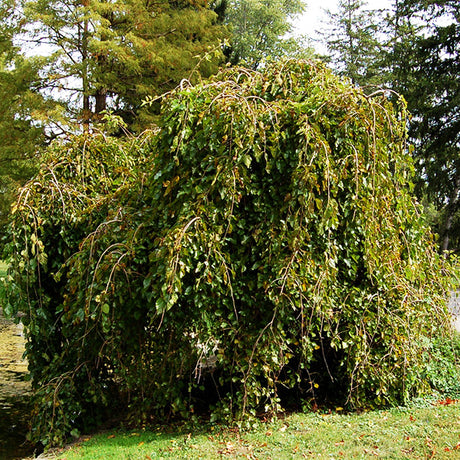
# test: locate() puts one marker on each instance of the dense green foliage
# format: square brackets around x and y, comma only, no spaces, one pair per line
[21,136]
[104,55]
[91,57]
[443,365]
[262,249]
[259,29]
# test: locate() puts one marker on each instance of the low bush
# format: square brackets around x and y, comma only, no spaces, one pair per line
[262,249]
[442,369]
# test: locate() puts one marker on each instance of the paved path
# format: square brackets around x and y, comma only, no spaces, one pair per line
[14,390]
[454,307]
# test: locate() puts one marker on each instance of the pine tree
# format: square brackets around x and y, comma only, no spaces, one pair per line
[352,42]
[112,54]
[20,102]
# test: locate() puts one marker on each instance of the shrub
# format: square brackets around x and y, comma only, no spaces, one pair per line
[442,365]
[266,243]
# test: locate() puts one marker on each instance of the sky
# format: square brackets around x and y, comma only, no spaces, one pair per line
[310,21]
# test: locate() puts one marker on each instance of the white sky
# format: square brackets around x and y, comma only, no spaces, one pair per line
[310,21]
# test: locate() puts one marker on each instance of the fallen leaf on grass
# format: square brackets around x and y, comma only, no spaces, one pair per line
[447,402]
[456,447]
[229,449]
[110,436]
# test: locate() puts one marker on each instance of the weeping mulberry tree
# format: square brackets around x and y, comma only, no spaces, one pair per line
[266,251]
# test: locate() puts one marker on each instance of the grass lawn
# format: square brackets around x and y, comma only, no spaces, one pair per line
[430,432]
[3,268]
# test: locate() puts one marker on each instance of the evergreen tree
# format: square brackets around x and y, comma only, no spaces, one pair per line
[352,42]
[112,54]
[426,65]
[20,103]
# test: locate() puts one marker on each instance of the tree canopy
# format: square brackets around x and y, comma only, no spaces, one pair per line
[111,55]
[351,36]
[259,28]
[261,248]
[21,132]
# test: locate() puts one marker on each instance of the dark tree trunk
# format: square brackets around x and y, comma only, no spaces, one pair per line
[101,100]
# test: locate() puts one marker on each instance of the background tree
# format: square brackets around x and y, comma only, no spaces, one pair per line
[110,55]
[259,27]
[21,104]
[426,66]
[352,42]
[413,49]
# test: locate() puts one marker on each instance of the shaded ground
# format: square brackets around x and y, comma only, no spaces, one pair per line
[14,392]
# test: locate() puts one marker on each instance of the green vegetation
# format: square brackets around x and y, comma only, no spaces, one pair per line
[3,269]
[426,71]
[259,29]
[409,433]
[442,356]
[111,55]
[417,55]
[351,39]
[260,251]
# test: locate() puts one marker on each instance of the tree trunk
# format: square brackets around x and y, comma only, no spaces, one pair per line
[101,100]
[86,115]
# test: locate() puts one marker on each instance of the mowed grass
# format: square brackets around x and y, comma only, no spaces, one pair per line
[3,269]
[431,432]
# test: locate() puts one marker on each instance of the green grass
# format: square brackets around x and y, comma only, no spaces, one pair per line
[3,269]
[408,433]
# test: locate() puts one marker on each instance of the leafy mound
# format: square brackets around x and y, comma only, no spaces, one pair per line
[264,249]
